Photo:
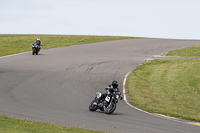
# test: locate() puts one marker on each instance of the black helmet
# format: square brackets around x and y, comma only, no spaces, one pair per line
[115,84]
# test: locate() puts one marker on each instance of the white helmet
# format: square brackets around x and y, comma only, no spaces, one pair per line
[38,39]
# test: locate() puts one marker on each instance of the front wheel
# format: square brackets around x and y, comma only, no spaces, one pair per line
[36,51]
[33,51]
[110,109]
[92,106]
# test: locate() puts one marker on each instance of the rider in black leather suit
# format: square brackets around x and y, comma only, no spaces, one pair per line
[111,88]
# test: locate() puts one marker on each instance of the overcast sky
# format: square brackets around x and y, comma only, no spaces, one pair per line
[178,19]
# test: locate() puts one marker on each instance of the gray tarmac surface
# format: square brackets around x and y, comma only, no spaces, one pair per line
[57,85]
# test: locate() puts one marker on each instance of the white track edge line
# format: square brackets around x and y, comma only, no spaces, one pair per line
[124,92]
[14,54]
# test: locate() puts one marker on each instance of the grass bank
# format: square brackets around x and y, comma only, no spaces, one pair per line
[12,44]
[193,51]
[12,125]
[169,87]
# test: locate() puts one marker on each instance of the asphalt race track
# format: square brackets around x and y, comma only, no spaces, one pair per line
[57,85]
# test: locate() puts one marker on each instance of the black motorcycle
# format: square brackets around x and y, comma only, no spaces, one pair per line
[35,49]
[107,104]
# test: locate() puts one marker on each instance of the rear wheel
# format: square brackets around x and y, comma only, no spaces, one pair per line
[92,106]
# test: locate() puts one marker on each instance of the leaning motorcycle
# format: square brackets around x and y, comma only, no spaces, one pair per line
[35,49]
[107,104]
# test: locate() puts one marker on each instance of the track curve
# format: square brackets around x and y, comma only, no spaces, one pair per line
[57,85]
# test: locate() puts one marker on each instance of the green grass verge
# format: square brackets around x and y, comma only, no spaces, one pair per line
[12,44]
[169,87]
[193,51]
[12,125]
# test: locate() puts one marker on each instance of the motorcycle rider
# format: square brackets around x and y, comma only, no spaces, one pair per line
[39,43]
[111,88]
